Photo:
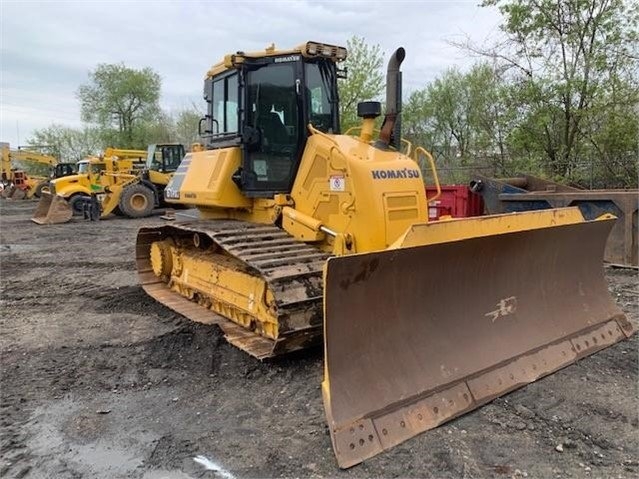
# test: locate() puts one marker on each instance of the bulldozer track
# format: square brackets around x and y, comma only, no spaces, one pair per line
[292,270]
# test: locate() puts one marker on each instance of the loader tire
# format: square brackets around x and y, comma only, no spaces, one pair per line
[77,204]
[136,201]
[43,186]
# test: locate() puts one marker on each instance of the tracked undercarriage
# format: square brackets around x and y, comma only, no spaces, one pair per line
[260,285]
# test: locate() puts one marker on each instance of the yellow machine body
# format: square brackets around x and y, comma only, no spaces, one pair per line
[35,165]
[94,176]
[97,174]
[137,192]
[111,198]
[344,184]
[421,322]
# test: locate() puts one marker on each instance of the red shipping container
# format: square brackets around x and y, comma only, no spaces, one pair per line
[456,201]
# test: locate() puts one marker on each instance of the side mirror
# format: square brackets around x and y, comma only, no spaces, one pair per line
[199,126]
[207,131]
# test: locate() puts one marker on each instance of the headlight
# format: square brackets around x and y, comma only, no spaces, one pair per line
[328,51]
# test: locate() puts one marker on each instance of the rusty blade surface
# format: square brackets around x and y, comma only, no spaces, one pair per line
[417,336]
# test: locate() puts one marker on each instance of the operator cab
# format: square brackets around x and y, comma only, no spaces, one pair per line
[63,169]
[263,103]
[97,167]
[164,158]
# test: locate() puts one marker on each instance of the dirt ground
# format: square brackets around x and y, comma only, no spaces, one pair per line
[100,381]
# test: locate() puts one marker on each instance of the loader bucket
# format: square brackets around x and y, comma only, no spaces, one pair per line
[459,313]
[52,209]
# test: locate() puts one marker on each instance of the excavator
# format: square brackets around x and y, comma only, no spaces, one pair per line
[26,173]
[304,233]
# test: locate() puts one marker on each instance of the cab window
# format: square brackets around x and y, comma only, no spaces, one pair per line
[172,157]
[225,105]
[96,168]
[273,112]
[318,97]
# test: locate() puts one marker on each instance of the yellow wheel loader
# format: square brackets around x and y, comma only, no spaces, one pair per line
[305,233]
[136,195]
[65,196]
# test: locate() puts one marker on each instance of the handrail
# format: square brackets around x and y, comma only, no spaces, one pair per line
[431,161]
[315,131]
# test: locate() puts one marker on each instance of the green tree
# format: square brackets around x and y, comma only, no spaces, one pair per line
[180,126]
[67,144]
[611,134]
[119,99]
[185,126]
[574,63]
[464,119]
[159,129]
[365,79]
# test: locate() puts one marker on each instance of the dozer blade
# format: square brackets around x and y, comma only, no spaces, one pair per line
[52,209]
[461,312]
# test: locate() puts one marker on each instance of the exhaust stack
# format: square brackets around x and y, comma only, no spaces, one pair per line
[390,133]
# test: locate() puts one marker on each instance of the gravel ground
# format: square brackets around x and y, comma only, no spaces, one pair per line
[100,381]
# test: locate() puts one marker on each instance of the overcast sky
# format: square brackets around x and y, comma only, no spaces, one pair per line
[48,48]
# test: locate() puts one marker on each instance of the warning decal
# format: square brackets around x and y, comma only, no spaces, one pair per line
[337,183]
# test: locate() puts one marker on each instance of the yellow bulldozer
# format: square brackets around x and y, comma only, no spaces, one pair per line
[305,233]
[125,182]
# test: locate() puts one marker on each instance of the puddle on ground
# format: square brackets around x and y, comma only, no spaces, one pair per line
[108,457]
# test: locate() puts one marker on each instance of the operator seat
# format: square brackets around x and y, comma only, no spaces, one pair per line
[273,130]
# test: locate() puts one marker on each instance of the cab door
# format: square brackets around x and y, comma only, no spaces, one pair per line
[274,114]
